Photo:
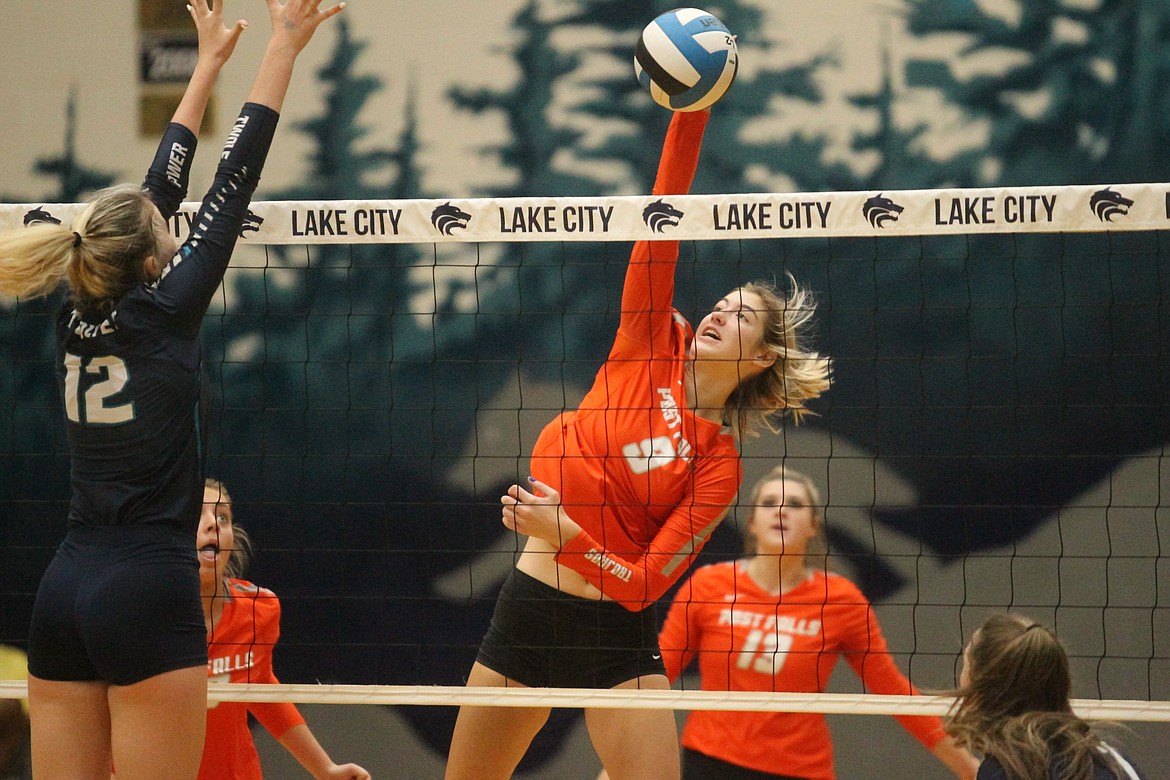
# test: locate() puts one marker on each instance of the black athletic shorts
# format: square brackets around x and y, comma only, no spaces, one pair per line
[544,638]
[700,766]
[118,604]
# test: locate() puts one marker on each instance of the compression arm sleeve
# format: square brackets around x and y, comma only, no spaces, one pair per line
[166,179]
[184,290]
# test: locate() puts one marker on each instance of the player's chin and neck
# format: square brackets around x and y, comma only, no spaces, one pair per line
[209,572]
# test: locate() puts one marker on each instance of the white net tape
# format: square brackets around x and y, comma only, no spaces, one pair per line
[1123,207]
[625,698]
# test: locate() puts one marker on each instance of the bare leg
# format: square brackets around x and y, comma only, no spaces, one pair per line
[636,744]
[490,741]
[70,729]
[157,725]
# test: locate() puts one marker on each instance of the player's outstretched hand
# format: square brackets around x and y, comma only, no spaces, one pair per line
[294,22]
[216,42]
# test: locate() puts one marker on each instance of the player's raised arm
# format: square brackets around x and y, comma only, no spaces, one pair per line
[216,45]
[293,25]
[166,180]
[186,284]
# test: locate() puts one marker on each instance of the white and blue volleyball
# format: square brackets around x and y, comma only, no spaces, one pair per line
[686,58]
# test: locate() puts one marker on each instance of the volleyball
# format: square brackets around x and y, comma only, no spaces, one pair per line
[686,58]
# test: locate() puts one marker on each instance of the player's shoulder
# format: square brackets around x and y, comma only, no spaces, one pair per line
[840,587]
[247,590]
[991,769]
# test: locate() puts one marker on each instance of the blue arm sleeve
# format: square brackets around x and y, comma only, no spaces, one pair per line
[183,291]
[166,180]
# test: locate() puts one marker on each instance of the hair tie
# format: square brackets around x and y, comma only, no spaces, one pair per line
[76,239]
[1034,625]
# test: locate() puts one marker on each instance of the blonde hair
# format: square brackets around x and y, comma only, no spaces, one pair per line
[817,551]
[797,374]
[241,552]
[1015,705]
[100,256]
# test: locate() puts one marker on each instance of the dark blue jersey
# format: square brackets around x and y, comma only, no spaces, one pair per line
[131,381]
[991,769]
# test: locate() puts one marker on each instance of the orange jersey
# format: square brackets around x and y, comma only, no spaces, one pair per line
[645,478]
[239,650]
[747,639]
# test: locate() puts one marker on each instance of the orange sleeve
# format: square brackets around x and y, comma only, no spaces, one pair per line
[679,638]
[276,717]
[871,660]
[637,582]
[649,285]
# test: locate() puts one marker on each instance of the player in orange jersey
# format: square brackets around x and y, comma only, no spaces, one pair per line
[625,490]
[243,624]
[775,620]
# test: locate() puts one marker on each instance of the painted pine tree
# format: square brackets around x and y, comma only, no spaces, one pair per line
[1075,92]
[535,281]
[903,161]
[1003,331]
[75,179]
[533,142]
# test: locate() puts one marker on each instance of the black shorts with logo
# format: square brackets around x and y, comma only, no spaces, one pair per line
[118,604]
[543,638]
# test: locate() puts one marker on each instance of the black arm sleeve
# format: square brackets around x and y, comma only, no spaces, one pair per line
[183,291]
[166,180]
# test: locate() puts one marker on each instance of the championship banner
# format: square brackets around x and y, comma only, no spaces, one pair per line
[167,52]
[1071,209]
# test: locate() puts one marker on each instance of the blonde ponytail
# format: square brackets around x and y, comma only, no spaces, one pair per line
[34,260]
[101,255]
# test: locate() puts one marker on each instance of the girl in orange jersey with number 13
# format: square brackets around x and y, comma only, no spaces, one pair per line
[775,620]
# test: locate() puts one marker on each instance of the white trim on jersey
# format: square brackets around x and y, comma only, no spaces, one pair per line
[1131,773]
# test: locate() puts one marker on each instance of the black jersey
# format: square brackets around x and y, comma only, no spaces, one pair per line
[131,381]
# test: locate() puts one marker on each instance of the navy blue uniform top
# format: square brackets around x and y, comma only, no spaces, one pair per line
[991,769]
[131,381]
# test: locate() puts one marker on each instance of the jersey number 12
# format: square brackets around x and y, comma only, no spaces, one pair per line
[90,407]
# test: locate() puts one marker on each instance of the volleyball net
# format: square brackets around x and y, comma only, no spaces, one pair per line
[995,437]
